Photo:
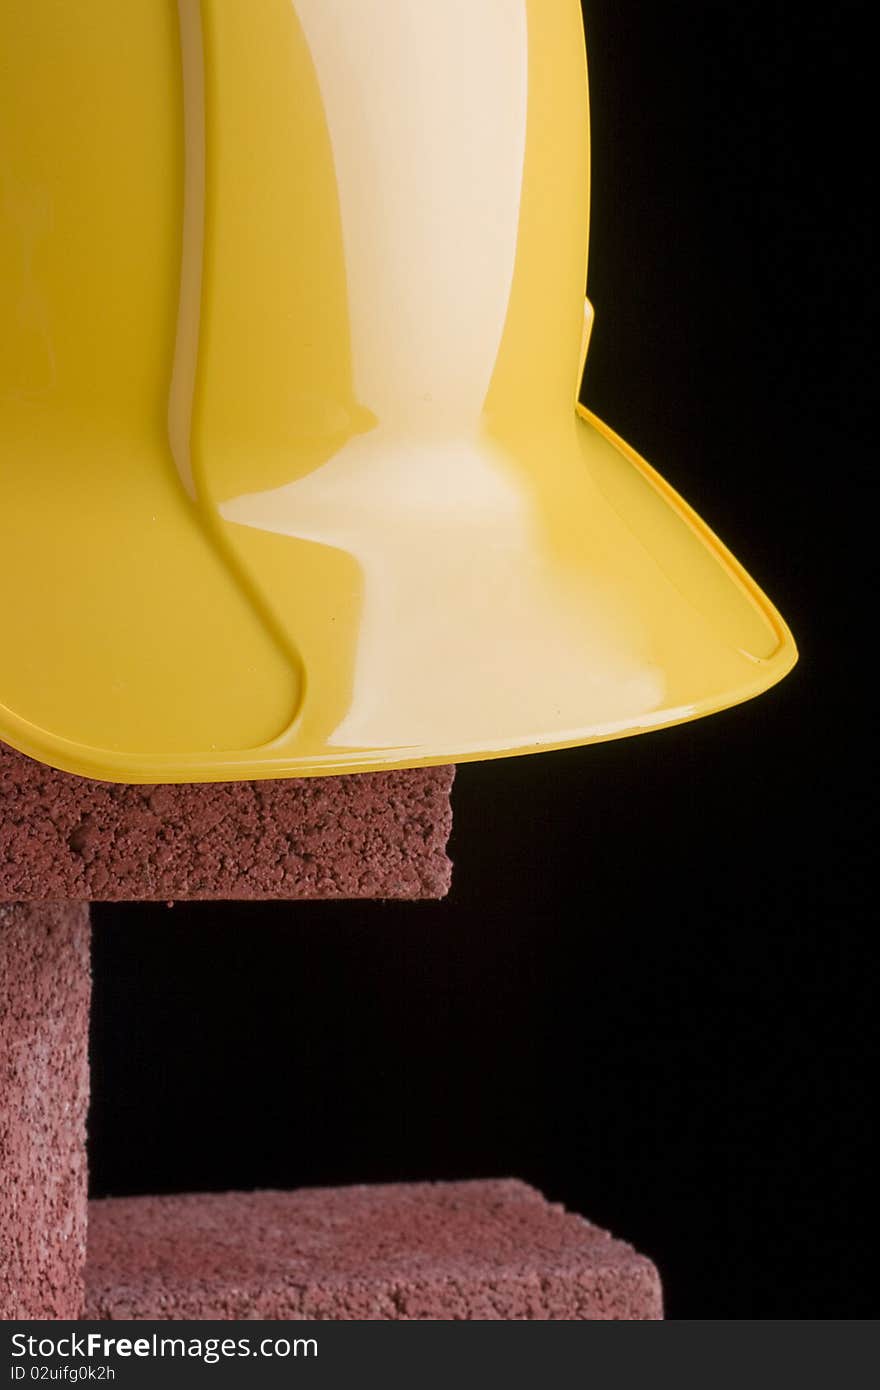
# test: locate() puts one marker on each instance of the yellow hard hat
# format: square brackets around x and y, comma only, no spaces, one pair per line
[292,476]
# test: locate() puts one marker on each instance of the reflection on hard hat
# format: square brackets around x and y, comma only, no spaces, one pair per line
[452,518]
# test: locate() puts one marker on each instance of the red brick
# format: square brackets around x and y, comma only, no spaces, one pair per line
[374,835]
[44,1084]
[451,1251]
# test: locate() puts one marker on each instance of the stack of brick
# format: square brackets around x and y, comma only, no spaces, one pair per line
[458,1250]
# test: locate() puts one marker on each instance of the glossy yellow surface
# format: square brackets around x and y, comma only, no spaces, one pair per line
[292,477]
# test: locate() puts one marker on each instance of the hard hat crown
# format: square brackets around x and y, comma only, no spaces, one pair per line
[294,330]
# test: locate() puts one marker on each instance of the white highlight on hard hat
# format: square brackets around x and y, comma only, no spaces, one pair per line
[430,218]
[429,229]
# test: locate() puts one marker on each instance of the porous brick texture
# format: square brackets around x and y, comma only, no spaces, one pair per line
[44,1083]
[373,835]
[484,1250]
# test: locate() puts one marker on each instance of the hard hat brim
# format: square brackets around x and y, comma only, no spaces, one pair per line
[172,641]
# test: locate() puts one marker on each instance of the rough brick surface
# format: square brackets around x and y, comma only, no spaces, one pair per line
[44,1082]
[375,835]
[451,1251]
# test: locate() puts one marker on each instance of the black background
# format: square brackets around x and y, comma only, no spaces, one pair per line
[649,991]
